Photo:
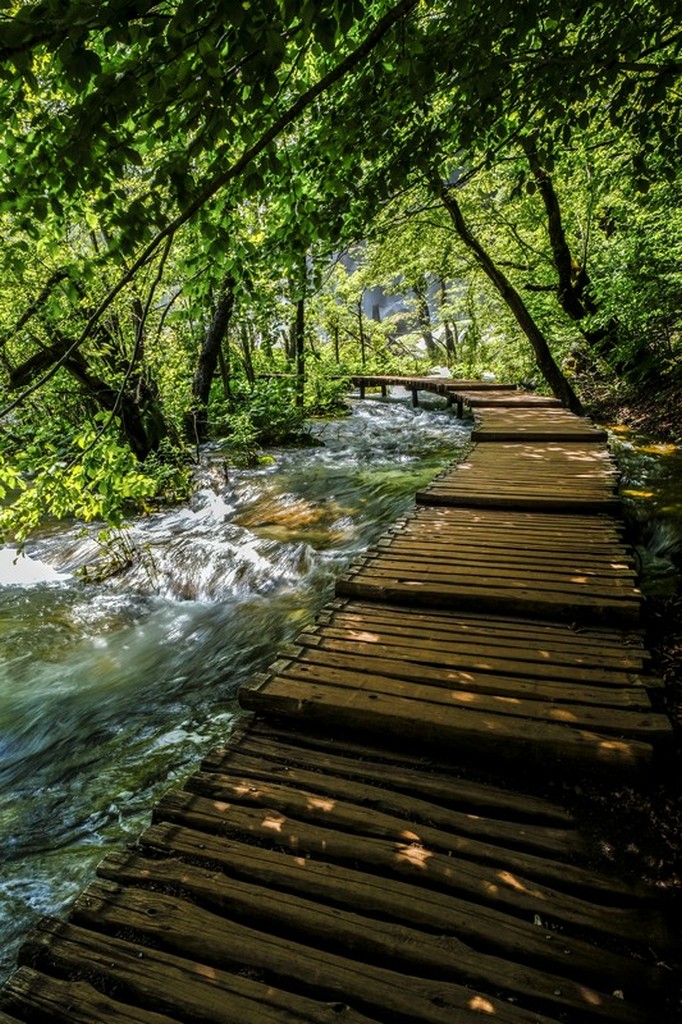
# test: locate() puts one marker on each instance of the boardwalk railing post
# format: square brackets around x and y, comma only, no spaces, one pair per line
[460,408]
[362,390]
[415,397]
[384,390]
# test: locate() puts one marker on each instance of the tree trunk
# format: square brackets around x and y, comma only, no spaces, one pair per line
[559,385]
[245,341]
[573,280]
[224,367]
[197,419]
[420,289]
[450,346]
[141,420]
[299,338]
[361,328]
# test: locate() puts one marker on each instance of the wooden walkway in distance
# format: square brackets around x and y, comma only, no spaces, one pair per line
[550,476]
[342,858]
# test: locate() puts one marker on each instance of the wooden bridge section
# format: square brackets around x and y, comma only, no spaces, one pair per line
[341,859]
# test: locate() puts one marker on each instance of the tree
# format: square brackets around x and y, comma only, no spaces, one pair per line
[162,133]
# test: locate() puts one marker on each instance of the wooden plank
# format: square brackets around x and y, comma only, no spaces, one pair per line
[564,607]
[539,432]
[511,553]
[166,982]
[484,652]
[497,499]
[39,997]
[453,729]
[549,527]
[481,928]
[559,588]
[623,713]
[508,399]
[533,425]
[380,764]
[189,930]
[390,816]
[549,636]
[506,891]
[397,557]
[359,935]
[562,844]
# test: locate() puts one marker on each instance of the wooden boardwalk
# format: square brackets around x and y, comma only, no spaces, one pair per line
[550,476]
[507,688]
[341,858]
[569,568]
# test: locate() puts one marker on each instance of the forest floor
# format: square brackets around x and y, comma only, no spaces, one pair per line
[656,412]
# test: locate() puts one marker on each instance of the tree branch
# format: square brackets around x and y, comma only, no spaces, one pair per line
[402,9]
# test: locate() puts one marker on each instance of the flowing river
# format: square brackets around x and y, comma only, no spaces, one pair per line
[111,691]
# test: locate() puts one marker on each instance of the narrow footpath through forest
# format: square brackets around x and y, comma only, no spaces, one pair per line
[348,856]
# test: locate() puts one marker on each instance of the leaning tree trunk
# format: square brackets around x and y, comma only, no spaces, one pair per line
[361,329]
[197,419]
[550,371]
[573,279]
[139,414]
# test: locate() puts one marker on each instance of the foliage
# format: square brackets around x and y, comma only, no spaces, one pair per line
[257,416]
[302,152]
[83,480]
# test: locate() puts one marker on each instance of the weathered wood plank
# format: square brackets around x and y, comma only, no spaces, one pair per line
[562,844]
[515,888]
[485,930]
[455,729]
[39,997]
[426,778]
[550,637]
[570,708]
[190,931]
[492,600]
[484,653]
[399,557]
[378,671]
[156,979]
[498,499]
[518,424]
[360,936]
[511,553]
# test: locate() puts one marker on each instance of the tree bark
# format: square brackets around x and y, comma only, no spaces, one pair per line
[560,387]
[299,338]
[450,346]
[361,328]
[420,289]
[197,419]
[245,341]
[573,279]
[224,367]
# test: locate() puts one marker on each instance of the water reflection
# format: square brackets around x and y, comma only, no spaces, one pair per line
[110,690]
[651,488]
